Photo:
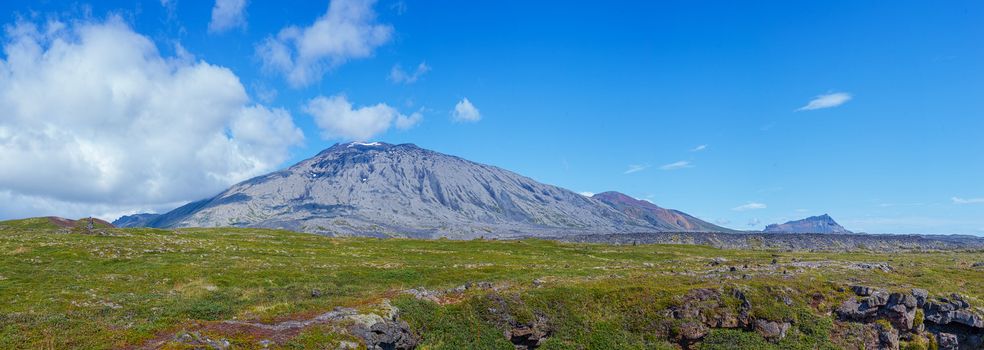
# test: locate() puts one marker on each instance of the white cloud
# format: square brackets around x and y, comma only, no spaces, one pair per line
[465,111]
[227,14]
[338,119]
[958,200]
[404,122]
[634,168]
[749,206]
[399,76]
[95,116]
[754,222]
[587,194]
[400,7]
[677,165]
[347,31]
[833,99]
[699,148]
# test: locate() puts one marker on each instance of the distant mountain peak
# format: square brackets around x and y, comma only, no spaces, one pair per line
[814,224]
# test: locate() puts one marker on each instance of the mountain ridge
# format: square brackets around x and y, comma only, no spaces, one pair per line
[814,224]
[384,190]
[658,217]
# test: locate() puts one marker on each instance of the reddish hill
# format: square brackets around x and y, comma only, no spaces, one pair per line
[69,223]
[661,218]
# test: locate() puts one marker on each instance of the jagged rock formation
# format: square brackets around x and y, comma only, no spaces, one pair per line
[660,218]
[814,224]
[378,189]
[950,322]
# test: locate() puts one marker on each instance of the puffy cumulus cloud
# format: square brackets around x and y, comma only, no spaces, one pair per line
[338,119]
[95,116]
[827,101]
[227,14]
[347,31]
[465,111]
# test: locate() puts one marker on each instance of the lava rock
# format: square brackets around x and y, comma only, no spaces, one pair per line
[771,330]
[386,335]
[862,291]
[947,341]
[693,331]
[921,296]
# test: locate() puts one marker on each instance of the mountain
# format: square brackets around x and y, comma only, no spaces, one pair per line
[814,224]
[379,189]
[135,220]
[659,218]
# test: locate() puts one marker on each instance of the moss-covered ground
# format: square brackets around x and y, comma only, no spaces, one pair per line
[123,288]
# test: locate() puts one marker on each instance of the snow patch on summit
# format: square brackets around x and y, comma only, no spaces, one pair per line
[368,144]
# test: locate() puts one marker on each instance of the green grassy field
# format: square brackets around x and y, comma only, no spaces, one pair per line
[137,288]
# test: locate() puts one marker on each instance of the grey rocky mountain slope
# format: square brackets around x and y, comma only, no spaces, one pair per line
[135,220]
[378,189]
[814,224]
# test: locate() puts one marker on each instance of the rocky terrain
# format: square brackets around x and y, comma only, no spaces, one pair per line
[814,224]
[790,241]
[888,318]
[65,287]
[383,190]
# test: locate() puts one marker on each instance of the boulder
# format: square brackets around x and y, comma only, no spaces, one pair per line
[900,316]
[771,330]
[921,296]
[852,310]
[947,341]
[878,298]
[862,291]
[690,331]
[967,318]
[530,335]
[902,299]
[888,338]
[387,334]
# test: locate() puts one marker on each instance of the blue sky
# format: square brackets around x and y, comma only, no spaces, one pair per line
[693,105]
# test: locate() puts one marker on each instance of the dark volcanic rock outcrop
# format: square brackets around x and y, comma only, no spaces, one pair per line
[379,189]
[814,224]
[950,321]
[660,218]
